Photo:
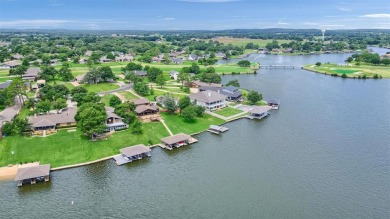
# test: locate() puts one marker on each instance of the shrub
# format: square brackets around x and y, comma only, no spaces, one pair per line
[318,63]
[344,75]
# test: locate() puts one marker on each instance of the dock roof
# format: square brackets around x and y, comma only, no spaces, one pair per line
[259,110]
[32,172]
[176,138]
[134,150]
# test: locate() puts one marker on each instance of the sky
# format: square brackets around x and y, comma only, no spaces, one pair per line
[194,14]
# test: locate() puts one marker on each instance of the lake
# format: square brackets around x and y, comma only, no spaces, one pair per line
[324,154]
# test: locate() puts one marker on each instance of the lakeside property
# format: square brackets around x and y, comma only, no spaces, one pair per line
[351,70]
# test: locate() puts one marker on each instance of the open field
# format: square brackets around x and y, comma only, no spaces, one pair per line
[243,41]
[100,87]
[177,124]
[351,70]
[66,148]
[128,95]
[228,111]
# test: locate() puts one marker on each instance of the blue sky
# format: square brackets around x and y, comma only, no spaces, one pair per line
[194,14]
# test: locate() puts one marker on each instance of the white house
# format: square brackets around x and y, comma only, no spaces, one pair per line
[174,74]
[209,99]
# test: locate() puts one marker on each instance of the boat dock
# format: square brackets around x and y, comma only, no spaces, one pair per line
[33,174]
[177,141]
[258,112]
[215,129]
[129,154]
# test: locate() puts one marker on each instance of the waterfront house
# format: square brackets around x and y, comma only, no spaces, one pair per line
[174,74]
[32,74]
[113,121]
[145,110]
[232,93]
[197,84]
[211,100]
[48,123]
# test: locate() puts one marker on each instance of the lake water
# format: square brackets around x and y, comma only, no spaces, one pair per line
[324,154]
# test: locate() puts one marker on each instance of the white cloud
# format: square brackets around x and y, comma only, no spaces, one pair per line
[169,18]
[376,15]
[344,9]
[34,23]
[283,23]
[209,1]
[310,23]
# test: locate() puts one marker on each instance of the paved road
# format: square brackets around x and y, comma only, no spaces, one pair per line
[122,88]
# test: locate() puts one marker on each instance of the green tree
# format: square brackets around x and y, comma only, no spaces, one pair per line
[59,103]
[184,102]
[131,66]
[137,127]
[199,110]
[20,70]
[48,73]
[210,78]
[244,63]
[65,73]
[89,98]
[115,101]
[254,97]
[160,80]
[233,83]
[318,63]
[141,88]
[43,106]
[91,118]
[77,93]
[153,72]
[170,104]
[189,114]
[106,73]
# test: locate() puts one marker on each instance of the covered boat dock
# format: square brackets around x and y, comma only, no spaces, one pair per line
[176,141]
[217,129]
[33,174]
[258,112]
[129,154]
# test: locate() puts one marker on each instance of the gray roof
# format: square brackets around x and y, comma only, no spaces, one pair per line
[259,110]
[8,114]
[231,88]
[80,78]
[143,108]
[5,84]
[141,73]
[205,88]
[177,60]
[141,101]
[176,138]
[134,150]
[204,84]
[110,113]
[208,96]
[173,72]
[66,116]
[32,172]
[12,63]
[109,109]
[32,72]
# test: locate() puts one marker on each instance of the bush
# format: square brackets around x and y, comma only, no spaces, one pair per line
[376,76]
[318,63]
[244,63]
[186,90]
[344,75]
[364,77]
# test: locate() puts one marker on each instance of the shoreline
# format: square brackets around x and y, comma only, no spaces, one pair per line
[340,76]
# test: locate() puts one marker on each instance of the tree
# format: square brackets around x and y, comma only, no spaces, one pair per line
[318,64]
[210,70]
[59,103]
[189,114]
[91,118]
[93,76]
[350,59]
[184,102]
[15,127]
[254,97]
[233,83]
[199,110]
[78,93]
[153,73]
[43,106]
[106,73]
[131,77]
[160,80]
[48,73]
[184,77]
[210,78]
[126,111]
[20,70]
[89,98]
[115,101]
[137,127]
[194,69]
[65,73]
[141,88]
[132,67]
[244,63]
[170,104]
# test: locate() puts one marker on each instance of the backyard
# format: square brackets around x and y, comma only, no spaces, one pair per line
[228,111]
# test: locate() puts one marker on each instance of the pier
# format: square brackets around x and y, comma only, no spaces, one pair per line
[177,141]
[279,67]
[215,129]
[129,154]
[33,174]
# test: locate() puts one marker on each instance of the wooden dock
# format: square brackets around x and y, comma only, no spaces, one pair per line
[215,129]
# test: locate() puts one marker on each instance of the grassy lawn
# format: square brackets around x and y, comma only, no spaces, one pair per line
[106,99]
[351,70]
[260,103]
[23,113]
[100,87]
[228,111]
[243,41]
[66,148]
[128,95]
[177,124]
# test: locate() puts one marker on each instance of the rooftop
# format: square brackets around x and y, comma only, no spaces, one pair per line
[176,138]
[208,96]
[66,116]
[134,150]
[32,172]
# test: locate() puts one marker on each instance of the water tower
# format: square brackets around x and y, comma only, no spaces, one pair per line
[323,35]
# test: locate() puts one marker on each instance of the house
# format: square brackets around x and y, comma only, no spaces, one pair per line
[140,73]
[79,78]
[32,74]
[220,55]
[113,121]
[9,113]
[125,58]
[104,59]
[197,84]
[145,110]
[174,74]
[209,99]
[232,93]
[5,84]
[258,112]
[48,123]
[156,59]
[88,53]
[39,61]
[289,50]
[11,64]
[192,58]
[177,61]
[17,57]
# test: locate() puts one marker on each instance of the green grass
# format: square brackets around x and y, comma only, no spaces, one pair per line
[243,41]
[228,111]
[128,95]
[177,124]
[67,148]
[106,99]
[352,70]
[23,113]
[260,103]
[100,87]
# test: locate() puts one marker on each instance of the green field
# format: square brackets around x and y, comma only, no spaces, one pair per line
[351,70]
[100,87]
[106,99]
[243,41]
[177,124]
[128,95]
[67,148]
[228,111]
